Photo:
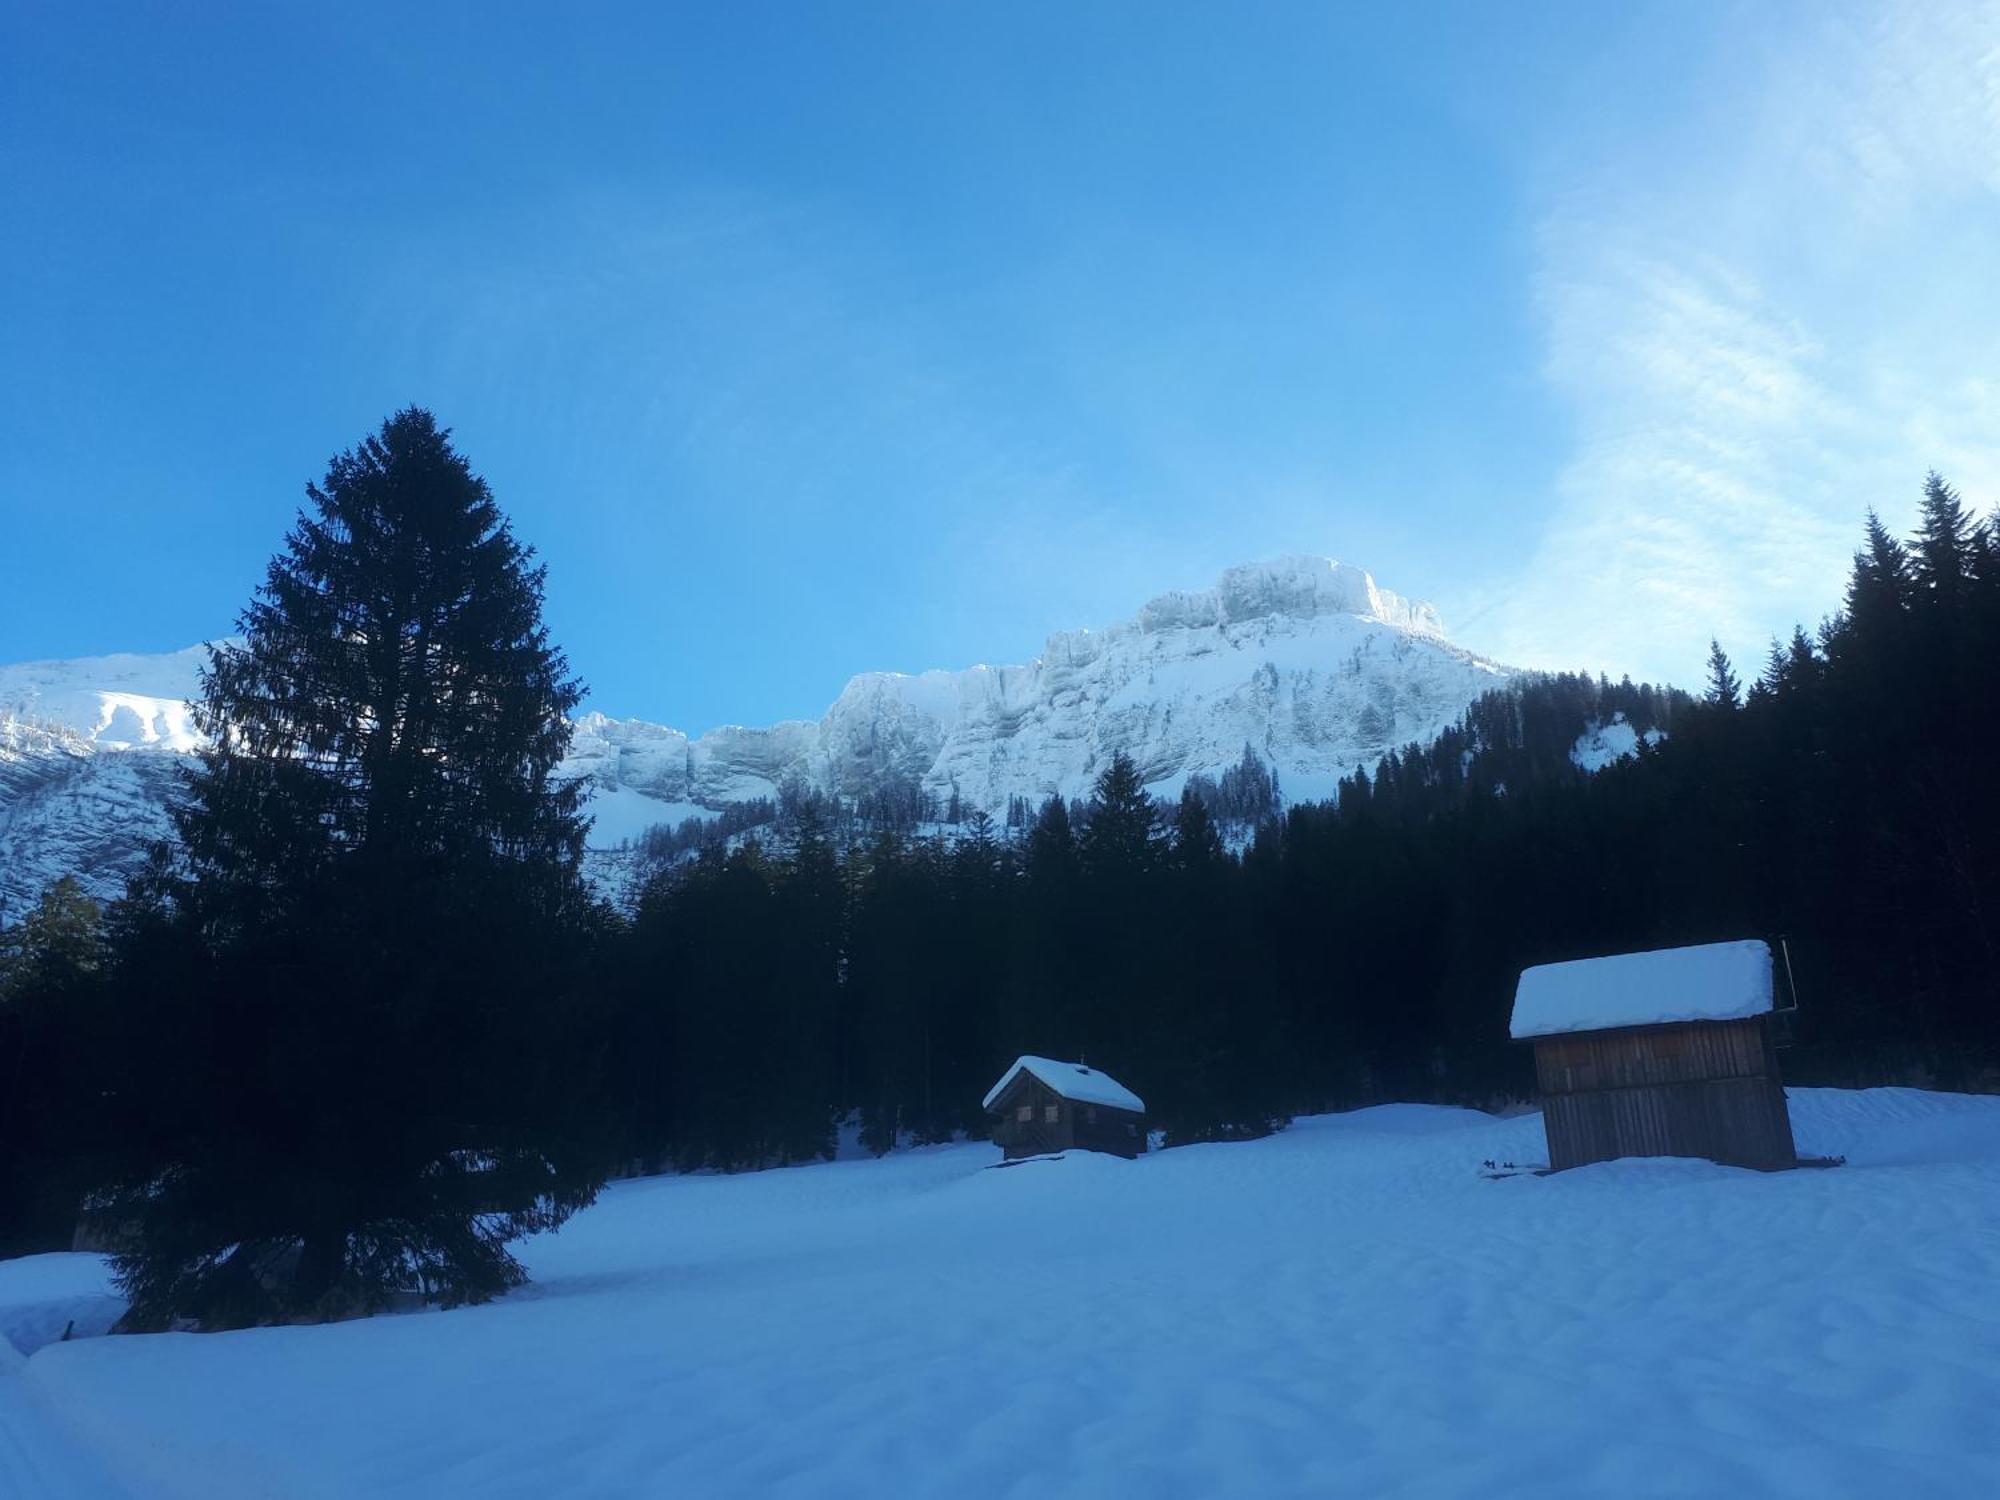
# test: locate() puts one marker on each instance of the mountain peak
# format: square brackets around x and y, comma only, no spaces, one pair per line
[1296,586]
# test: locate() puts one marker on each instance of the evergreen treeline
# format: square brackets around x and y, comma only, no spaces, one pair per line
[368,1028]
[1844,801]
[1240,799]
[1367,948]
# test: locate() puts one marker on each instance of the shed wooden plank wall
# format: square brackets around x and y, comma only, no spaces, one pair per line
[1741,1121]
[1631,1056]
[1700,1089]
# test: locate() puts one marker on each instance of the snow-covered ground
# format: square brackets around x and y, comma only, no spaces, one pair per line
[1346,1309]
[1601,745]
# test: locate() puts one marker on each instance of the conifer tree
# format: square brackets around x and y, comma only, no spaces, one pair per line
[1122,835]
[1117,952]
[1947,545]
[1196,845]
[60,942]
[979,844]
[1948,686]
[1044,993]
[1878,588]
[1802,662]
[1052,844]
[1725,689]
[1771,681]
[382,918]
[807,928]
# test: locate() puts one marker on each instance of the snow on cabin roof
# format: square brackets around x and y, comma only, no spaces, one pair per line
[1708,982]
[1073,1081]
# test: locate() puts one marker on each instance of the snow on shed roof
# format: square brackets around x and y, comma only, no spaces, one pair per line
[1708,982]
[1073,1081]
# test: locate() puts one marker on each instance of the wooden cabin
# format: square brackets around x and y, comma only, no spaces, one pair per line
[1042,1106]
[1667,1053]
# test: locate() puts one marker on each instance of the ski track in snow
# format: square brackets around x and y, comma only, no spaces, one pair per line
[1345,1309]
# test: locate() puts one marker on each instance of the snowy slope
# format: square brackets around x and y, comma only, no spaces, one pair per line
[1305,660]
[1343,1309]
[121,702]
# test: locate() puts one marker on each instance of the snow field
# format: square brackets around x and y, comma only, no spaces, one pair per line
[1345,1309]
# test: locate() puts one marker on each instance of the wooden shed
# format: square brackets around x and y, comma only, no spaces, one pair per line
[1043,1105]
[1667,1053]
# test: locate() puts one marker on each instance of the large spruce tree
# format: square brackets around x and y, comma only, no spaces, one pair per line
[376,928]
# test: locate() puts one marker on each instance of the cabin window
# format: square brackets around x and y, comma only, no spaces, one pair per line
[1090,1114]
[1025,1114]
[1051,1114]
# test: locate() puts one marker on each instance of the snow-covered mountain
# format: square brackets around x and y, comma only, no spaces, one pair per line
[90,752]
[1304,660]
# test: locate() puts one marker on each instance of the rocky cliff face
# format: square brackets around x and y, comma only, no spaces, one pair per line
[68,807]
[1304,660]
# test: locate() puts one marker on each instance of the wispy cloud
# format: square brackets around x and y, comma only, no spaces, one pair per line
[1761,331]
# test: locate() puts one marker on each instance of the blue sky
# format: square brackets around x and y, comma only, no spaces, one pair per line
[804,340]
